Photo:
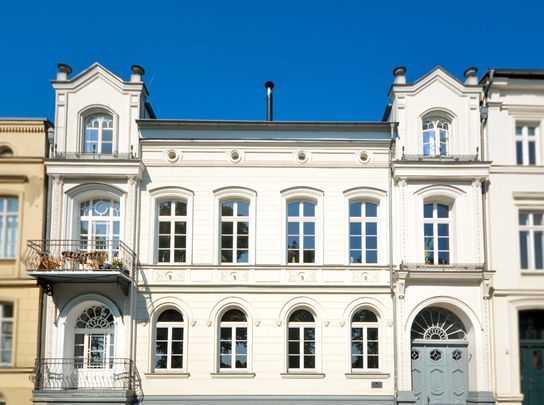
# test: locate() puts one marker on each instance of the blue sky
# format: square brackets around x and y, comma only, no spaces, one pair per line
[330,60]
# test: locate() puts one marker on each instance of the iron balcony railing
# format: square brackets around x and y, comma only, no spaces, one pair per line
[57,374]
[92,156]
[81,256]
[440,158]
[454,267]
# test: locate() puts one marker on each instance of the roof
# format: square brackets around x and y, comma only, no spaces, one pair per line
[533,74]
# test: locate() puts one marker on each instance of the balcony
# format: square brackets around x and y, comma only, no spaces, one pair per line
[91,156]
[108,378]
[440,158]
[454,271]
[72,261]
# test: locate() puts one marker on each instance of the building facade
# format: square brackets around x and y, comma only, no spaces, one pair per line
[200,262]
[23,147]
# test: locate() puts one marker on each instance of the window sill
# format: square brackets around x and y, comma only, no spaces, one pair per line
[7,259]
[533,272]
[303,375]
[368,375]
[232,375]
[166,374]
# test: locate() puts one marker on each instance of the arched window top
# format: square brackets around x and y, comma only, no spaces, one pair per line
[95,317]
[301,315]
[301,208]
[363,209]
[5,151]
[235,207]
[100,207]
[234,315]
[436,210]
[436,323]
[99,121]
[433,121]
[173,207]
[364,315]
[98,134]
[436,134]
[170,315]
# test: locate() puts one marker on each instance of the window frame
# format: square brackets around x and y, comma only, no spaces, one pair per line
[235,220]
[436,118]
[300,326]
[169,326]
[5,215]
[365,326]
[233,325]
[7,320]
[301,220]
[363,220]
[172,219]
[530,228]
[95,113]
[435,221]
[524,140]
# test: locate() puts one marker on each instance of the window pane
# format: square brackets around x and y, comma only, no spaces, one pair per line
[371,210]
[309,228]
[355,228]
[232,315]
[372,256]
[357,361]
[181,208]
[227,209]
[301,315]
[428,229]
[177,347]
[532,153]
[170,315]
[518,130]
[309,361]
[428,210]
[373,361]
[180,228]
[309,256]
[364,315]
[225,347]
[355,256]
[226,242]
[356,348]
[162,334]
[372,347]
[226,256]
[242,242]
[356,334]
[371,228]
[519,152]
[179,256]
[443,229]
[241,333]
[164,208]
[538,250]
[242,256]
[160,361]
[226,228]
[243,209]
[293,209]
[107,135]
[225,361]
[293,242]
[177,333]
[443,211]
[13,204]
[531,131]
[443,244]
[177,362]
[523,218]
[294,347]
[355,242]
[309,333]
[309,209]
[537,219]
[294,362]
[241,361]
[164,255]
[164,241]
[164,227]
[242,228]
[355,209]
[293,256]
[372,333]
[292,228]
[371,242]
[309,242]
[294,333]
[443,257]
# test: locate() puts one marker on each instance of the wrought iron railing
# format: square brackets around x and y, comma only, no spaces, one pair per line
[454,267]
[80,255]
[92,156]
[57,374]
[439,158]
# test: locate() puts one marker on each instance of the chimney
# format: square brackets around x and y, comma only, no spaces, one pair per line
[269,86]
[64,72]
[470,75]
[137,73]
[399,73]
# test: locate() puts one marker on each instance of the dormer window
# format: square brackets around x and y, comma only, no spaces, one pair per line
[436,131]
[98,136]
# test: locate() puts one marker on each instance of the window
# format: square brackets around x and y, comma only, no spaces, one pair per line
[531,241]
[301,340]
[233,340]
[301,232]
[93,340]
[234,231]
[5,151]
[100,225]
[436,132]
[364,340]
[363,232]
[98,134]
[6,334]
[436,230]
[526,144]
[169,340]
[172,230]
[9,212]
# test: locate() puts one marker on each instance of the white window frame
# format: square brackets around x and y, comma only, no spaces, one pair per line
[524,138]
[172,219]
[102,117]
[435,221]
[169,326]
[233,326]
[301,220]
[365,326]
[300,326]
[110,219]
[5,216]
[363,220]
[4,320]
[235,219]
[88,333]
[530,228]
[436,123]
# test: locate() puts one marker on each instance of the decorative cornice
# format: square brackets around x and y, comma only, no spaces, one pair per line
[22,129]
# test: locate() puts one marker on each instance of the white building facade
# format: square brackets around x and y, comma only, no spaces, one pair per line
[203,262]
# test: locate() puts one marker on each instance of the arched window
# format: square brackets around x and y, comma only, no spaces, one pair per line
[169,340]
[100,225]
[172,238]
[5,151]
[98,136]
[235,231]
[94,338]
[233,340]
[436,230]
[436,323]
[301,340]
[436,132]
[363,232]
[364,340]
[301,220]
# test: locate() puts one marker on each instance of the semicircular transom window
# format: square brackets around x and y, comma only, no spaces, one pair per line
[5,151]
[96,317]
[438,324]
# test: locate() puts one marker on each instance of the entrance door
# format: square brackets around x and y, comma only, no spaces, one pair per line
[532,371]
[440,373]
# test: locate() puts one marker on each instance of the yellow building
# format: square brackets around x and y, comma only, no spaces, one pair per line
[23,197]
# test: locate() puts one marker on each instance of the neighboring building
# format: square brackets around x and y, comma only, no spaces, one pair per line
[23,146]
[280,262]
[513,133]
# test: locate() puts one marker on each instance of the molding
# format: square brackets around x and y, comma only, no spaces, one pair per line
[166,375]
[232,375]
[368,376]
[13,179]
[302,375]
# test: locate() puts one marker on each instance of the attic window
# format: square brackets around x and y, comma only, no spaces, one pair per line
[5,151]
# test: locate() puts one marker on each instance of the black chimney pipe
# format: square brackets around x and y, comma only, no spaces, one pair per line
[269,86]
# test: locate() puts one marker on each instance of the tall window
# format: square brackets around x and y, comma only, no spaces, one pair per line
[526,144]
[436,132]
[233,340]
[531,241]
[436,229]
[234,231]
[301,232]
[169,340]
[363,232]
[98,134]
[364,340]
[9,212]
[93,340]
[301,340]
[172,247]
[6,334]
[100,224]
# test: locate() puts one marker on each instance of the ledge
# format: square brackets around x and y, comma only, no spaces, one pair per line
[303,375]
[166,375]
[232,375]
[368,376]
[532,272]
